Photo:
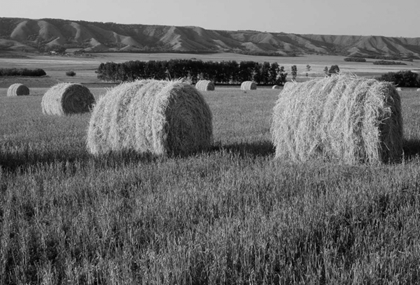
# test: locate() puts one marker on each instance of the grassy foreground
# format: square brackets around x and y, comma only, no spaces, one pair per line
[232,215]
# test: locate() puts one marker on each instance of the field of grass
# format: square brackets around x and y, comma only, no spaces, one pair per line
[231,215]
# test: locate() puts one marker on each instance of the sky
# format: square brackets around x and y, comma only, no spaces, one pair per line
[328,17]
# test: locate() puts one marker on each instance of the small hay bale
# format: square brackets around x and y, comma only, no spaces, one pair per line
[418,90]
[17,89]
[275,87]
[204,85]
[151,116]
[248,85]
[398,89]
[66,99]
[344,118]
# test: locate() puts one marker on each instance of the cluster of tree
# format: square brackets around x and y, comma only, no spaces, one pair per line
[21,72]
[70,73]
[405,58]
[332,70]
[355,59]
[225,72]
[403,78]
[386,62]
[408,57]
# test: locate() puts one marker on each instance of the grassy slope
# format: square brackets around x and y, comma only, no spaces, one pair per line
[232,215]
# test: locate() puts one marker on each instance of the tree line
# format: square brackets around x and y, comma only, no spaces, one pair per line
[21,72]
[403,78]
[224,72]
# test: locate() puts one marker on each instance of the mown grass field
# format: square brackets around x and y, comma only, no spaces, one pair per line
[231,215]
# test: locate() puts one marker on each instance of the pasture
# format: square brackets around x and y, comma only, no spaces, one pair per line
[230,215]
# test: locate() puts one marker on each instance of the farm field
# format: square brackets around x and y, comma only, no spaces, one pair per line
[84,67]
[230,215]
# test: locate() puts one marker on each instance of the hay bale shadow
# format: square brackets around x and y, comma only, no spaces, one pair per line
[21,162]
[411,148]
[260,148]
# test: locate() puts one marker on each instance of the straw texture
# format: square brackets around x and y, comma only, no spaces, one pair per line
[342,117]
[66,99]
[151,116]
[17,89]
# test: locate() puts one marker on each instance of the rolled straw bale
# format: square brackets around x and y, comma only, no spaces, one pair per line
[341,117]
[418,90]
[398,89]
[17,89]
[248,85]
[67,98]
[151,116]
[275,87]
[204,85]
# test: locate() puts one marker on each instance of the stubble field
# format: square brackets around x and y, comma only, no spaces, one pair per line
[231,215]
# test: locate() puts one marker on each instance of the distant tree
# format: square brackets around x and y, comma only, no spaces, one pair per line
[355,59]
[308,68]
[404,78]
[326,71]
[294,72]
[281,80]
[334,69]
[70,73]
[265,72]
[273,73]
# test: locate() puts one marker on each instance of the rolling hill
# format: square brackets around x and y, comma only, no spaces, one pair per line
[51,34]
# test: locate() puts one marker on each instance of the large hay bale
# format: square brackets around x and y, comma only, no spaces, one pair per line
[275,87]
[248,85]
[151,116]
[341,117]
[66,99]
[204,85]
[17,89]
[398,89]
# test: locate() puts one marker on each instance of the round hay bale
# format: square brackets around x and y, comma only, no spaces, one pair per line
[151,116]
[275,87]
[66,99]
[418,90]
[17,89]
[398,89]
[204,85]
[248,85]
[344,118]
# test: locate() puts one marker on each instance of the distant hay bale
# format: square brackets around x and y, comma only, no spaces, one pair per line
[398,89]
[204,85]
[248,85]
[345,118]
[418,90]
[66,99]
[17,89]
[151,116]
[275,87]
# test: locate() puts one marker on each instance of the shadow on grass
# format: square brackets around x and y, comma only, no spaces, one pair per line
[260,148]
[411,148]
[27,159]
[23,161]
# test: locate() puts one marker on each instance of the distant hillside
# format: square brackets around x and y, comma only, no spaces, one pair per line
[50,34]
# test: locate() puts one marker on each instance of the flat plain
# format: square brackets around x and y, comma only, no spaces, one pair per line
[230,215]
